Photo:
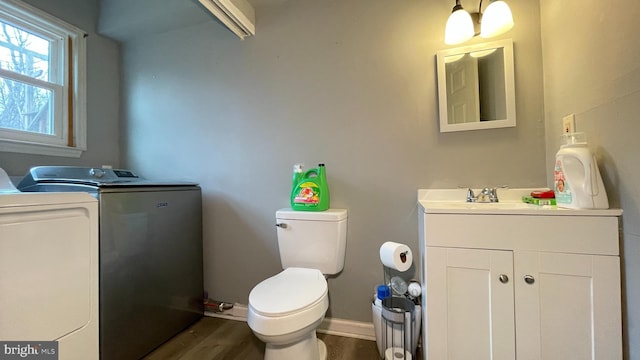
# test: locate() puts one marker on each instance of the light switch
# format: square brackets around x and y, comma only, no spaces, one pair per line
[569,124]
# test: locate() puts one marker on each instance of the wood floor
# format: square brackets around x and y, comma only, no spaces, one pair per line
[220,339]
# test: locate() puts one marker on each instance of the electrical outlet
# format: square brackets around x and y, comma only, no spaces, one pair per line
[569,124]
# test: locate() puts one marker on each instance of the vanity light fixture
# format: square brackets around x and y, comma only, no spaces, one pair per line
[462,26]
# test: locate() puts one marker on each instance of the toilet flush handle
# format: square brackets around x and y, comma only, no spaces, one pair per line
[282,225]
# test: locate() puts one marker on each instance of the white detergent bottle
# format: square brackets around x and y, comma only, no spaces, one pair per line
[577,180]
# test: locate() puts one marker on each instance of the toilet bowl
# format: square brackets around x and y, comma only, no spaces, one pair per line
[284,312]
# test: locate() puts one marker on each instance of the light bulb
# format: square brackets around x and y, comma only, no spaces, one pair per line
[459,27]
[496,20]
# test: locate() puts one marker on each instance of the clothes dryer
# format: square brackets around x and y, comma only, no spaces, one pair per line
[49,272]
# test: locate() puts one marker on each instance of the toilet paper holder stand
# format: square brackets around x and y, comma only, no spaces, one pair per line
[398,327]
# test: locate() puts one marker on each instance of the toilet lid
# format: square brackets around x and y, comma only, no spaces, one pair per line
[289,291]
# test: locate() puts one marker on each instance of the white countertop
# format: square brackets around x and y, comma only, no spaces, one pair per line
[453,201]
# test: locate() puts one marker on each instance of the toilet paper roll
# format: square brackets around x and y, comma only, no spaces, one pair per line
[396,256]
[397,353]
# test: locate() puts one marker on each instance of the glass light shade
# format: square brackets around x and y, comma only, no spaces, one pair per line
[459,28]
[496,20]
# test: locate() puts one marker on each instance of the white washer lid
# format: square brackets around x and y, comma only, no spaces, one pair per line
[287,292]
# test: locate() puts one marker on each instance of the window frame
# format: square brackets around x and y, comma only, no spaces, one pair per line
[70,115]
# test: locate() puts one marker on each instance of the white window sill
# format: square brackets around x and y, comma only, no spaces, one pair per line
[39,149]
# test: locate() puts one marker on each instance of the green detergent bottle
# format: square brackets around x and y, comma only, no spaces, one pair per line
[311,192]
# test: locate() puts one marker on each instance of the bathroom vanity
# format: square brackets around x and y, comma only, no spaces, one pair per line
[511,280]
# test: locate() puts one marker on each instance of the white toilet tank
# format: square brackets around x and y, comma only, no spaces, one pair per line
[315,240]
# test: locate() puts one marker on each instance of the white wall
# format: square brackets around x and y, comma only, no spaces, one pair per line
[348,83]
[591,68]
[103,93]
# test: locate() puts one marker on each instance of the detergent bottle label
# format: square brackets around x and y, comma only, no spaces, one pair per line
[308,194]
[561,187]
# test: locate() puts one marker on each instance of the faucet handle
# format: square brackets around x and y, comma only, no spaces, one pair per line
[493,195]
[471,197]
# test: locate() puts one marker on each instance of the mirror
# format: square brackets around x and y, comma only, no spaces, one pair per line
[476,87]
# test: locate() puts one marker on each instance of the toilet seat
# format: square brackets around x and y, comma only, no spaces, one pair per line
[288,292]
[288,302]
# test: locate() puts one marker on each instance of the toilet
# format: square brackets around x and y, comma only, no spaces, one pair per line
[285,309]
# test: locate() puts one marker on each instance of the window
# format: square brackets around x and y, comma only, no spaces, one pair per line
[42,82]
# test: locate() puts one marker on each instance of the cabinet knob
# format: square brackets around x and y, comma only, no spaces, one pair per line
[503,278]
[529,279]
[281,225]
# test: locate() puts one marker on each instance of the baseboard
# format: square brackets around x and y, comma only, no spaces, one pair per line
[347,328]
[331,326]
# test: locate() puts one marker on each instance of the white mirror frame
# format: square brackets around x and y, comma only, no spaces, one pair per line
[510,121]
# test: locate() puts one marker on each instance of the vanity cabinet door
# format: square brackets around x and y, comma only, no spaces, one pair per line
[567,306]
[470,304]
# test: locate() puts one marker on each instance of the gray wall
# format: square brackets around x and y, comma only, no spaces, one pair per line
[591,68]
[348,83]
[103,92]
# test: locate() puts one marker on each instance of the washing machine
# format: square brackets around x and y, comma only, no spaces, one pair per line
[49,271]
[150,249]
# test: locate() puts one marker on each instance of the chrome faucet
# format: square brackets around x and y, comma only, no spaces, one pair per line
[486,195]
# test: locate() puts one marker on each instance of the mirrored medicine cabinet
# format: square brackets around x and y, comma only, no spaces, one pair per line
[476,87]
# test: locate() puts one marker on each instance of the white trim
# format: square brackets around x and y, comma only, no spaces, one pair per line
[79,57]
[39,149]
[348,328]
[238,16]
[509,84]
[330,326]
[36,15]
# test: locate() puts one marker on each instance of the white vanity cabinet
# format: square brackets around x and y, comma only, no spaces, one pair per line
[528,283]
